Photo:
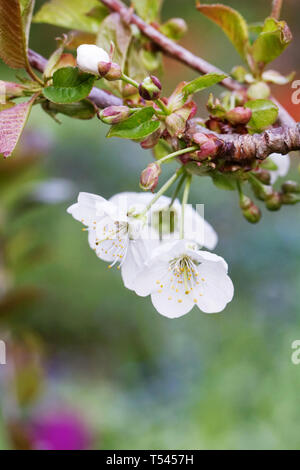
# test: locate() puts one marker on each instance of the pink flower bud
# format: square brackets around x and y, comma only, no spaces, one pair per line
[110,71]
[114,114]
[150,88]
[290,187]
[151,140]
[239,115]
[273,203]
[209,145]
[149,177]
[250,211]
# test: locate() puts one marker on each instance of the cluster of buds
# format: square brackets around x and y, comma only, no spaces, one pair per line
[290,192]
[149,177]
[266,193]
[209,145]
[239,115]
[114,114]
[150,88]
[95,60]
[250,211]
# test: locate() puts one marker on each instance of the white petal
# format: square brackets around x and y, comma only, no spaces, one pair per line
[89,56]
[85,210]
[215,288]
[204,256]
[196,227]
[150,278]
[134,262]
[172,302]
[283,165]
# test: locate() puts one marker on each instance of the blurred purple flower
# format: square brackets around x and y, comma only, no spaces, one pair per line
[60,430]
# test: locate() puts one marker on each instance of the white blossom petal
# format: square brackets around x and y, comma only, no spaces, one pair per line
[283,165]
[215,288]
[86,210]
[89,56]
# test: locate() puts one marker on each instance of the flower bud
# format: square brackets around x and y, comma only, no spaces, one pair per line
[289,198]
[258,91]
[239,115]
[250,211]
[151,140]
[129,90]
[150,88]
[114,114]
[174,28]
[209,145]
[273,203]
[149,177]
[214,125]
[290,187]
[263,176]
[260,190]
[89,56]
[109,70]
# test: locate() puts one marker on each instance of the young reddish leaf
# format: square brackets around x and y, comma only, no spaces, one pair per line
[232,23]
[271,42]
[202,82]
[14,30]
[12,122]
[72,14]
[136,127]
[69,85]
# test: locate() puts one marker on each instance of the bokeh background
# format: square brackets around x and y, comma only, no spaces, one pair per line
[90,364]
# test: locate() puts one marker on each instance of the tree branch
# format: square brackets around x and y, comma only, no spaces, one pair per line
[184,56]
[168,46]
[100,98]
[276,9]
[233,147]
[246,147]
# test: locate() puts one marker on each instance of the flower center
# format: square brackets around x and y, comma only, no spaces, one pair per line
[184,271]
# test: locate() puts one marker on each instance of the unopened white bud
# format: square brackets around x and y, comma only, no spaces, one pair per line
[89,56]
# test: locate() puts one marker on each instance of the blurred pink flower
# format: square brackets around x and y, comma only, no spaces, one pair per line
[60,430]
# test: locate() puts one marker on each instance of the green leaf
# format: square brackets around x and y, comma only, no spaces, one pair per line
[137,126]
[162,149]
[202,82]
[80,110]
[71,14]
[12,122]
[224,181]
[264,114]
[231,22]
[148,9]
[15,19]
[271,42]
[269,165]
[69,85]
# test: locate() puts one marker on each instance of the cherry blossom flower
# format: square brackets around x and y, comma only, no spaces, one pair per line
[89,56]
[118,233]
[197,229]
[283,165]
[178,277]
